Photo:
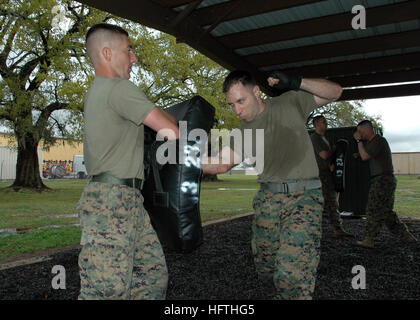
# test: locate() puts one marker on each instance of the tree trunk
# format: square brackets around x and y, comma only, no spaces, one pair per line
[27,166]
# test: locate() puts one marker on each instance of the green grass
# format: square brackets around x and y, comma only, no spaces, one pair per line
[37,239]
[231,195]
[407,196]
[27,209]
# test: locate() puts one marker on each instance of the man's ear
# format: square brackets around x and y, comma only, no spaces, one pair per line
[257,91]
[106,53]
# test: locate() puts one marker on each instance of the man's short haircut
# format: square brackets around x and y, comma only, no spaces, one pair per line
[317,118]
[242,76]
[365,123]
[102,34]
[105,26]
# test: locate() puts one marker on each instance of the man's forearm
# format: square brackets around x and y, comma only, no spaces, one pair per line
[362,151]
[221,163]
[322,88]
[326,154]
[209,168]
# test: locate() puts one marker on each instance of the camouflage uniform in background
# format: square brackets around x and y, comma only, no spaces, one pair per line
[320,143]
[380,206]
[330,201]
[381,193]
[121,256]
[286,235]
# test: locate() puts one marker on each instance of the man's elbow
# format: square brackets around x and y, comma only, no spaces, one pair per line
[364,157]
[338,91]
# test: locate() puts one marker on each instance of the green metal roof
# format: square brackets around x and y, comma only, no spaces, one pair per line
[308,37]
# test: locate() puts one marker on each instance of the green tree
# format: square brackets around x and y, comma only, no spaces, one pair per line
[344,114]
[43,70]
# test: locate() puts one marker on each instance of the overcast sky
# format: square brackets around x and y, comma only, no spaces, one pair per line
[400,119]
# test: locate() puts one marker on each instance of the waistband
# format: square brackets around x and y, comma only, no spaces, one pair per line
[386,174]
[110,179]
[291,186]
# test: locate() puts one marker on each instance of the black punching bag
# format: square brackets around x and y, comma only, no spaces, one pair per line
[340,165]
[171,191]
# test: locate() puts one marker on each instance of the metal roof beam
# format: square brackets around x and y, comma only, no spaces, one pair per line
[185,13]
[172,3]
[378,78]
[338,49]
[387,14]
[388,63]
[205,16]
[228,10]
[381,92]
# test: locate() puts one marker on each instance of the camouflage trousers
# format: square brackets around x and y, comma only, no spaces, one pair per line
[330,201]
[380,206]
[286,235]
[121,257]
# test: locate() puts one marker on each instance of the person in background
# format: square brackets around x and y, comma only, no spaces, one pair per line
[382,185]
[324,153]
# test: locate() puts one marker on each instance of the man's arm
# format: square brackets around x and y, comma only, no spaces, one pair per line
[159,119]
[320,149]
[324,91]
[362,150]
[326,154]
[223,162]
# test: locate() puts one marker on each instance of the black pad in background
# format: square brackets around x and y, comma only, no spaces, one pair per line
[172,191]
[340,165]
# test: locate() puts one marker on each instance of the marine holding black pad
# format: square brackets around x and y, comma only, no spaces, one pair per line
[172,191]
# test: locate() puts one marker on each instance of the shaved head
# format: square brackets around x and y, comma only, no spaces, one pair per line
[100,36]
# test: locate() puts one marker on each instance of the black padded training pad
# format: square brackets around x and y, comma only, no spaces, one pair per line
[172,191]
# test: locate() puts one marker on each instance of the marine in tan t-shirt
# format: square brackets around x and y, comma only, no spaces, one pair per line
[288,153]
[286,230]
[113,143]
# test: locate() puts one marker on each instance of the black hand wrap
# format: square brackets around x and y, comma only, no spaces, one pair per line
[286,82]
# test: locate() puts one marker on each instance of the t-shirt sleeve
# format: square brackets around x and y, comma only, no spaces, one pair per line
[305,102]
[374,148]
[235,141]
[129,101]
[318,146]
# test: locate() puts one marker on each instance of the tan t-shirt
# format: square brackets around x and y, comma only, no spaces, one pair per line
[114,134]
[381,157]
[288,150]
[320,144]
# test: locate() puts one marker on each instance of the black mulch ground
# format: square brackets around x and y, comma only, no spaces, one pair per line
[222,268]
